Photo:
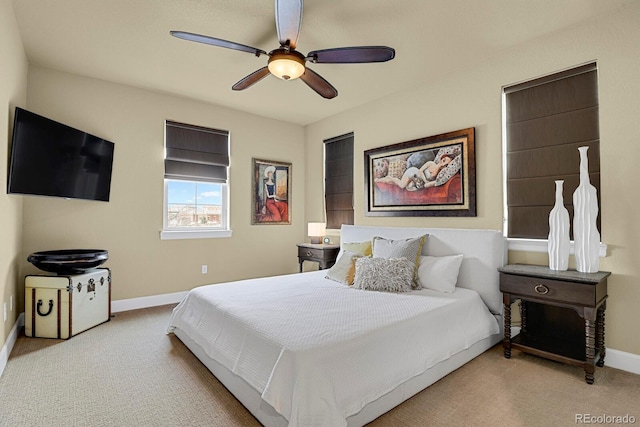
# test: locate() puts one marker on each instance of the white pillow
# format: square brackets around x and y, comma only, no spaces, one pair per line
[439,273]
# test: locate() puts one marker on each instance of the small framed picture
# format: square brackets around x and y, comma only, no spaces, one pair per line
[271,192]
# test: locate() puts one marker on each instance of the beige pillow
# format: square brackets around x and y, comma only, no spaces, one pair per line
[405,248]
[344,269]
[359,248]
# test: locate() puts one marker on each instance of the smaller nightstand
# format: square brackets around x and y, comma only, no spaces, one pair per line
[324,255]
[562,314]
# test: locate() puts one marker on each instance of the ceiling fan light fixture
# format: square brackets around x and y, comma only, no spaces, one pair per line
[286,62]
[286,65]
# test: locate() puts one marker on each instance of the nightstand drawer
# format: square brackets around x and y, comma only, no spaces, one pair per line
[325,255]
[311,253]
[553,290]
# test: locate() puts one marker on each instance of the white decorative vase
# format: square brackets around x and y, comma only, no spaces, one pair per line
[558,243]
[585,212]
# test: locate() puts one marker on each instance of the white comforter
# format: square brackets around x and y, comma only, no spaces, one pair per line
[319,351]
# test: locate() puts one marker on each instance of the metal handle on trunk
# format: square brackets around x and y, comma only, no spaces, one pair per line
[40,305]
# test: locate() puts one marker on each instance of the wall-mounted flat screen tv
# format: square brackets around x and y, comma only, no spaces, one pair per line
[52,159]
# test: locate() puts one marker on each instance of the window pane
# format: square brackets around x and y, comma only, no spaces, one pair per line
[194,204]
[209,200]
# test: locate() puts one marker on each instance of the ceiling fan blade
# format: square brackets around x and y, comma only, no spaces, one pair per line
[216,42]
[352,55]
[288,21]
[251,79]
[319,84]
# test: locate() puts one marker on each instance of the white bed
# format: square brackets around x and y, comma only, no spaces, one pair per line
[302,350]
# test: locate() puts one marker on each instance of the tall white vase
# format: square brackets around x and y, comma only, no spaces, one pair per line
[585,212]
[558,243]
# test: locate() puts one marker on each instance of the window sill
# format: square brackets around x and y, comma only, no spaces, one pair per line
[194,234]
[539,245]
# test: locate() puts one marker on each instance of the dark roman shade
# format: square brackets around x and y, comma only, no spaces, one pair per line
[196,153]
[546,120]
[338,180]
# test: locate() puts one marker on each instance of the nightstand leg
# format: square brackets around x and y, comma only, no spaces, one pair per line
[590,335]
[506,343]
[600,335]
[523,317]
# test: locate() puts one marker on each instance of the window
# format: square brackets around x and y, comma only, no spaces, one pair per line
[545,121]
[194,204]
[338,180]
[196,194]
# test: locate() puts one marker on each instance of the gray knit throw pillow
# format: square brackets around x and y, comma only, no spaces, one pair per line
[382,274]
[401,248]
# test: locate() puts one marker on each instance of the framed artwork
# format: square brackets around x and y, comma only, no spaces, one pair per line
[432,176]
[271,192]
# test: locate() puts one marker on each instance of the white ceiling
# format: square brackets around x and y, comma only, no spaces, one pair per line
[128,42]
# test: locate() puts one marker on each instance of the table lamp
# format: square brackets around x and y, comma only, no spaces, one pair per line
[316,230]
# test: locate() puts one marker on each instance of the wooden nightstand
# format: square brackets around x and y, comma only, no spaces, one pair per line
[549,301]
[324,255]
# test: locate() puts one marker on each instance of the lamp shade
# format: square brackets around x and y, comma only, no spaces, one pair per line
[316,230]
[286,65]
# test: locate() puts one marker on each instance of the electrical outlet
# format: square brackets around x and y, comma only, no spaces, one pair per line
[11,303]
[204,268]
[5,311]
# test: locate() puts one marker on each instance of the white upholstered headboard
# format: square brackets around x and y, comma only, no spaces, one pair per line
[483,252]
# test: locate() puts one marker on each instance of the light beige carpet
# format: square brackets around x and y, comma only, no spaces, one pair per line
[128,372]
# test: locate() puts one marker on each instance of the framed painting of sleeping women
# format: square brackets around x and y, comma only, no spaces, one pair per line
[432,176]
[271,192]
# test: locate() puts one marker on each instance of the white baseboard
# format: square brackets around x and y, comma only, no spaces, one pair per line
[11,340]
[622,360]
[144,302]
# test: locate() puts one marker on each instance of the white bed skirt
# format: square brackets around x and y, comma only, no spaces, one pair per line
[268,416]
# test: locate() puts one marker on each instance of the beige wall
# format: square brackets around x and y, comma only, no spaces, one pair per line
[128,225]
[13,86]
[471,96]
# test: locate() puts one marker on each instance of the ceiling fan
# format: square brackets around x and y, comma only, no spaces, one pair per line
[286,62]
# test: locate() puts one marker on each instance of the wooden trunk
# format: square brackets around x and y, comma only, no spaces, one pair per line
[65,305]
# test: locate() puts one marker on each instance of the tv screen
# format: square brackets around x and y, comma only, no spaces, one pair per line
[52,159]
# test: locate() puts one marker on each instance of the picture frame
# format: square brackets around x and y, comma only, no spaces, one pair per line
[431,176]
[271,192]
